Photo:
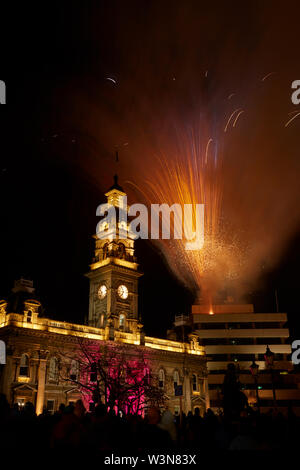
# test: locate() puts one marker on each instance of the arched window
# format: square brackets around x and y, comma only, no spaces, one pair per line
[53,369]
[161,378]
[29,316]
[122,321]
[194,382]
[105,250]
[176,378]
[121,250]
[24,365]
[74,370]
[93,374]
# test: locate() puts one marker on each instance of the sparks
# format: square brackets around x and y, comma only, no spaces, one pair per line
[231,116]
[290,120]
[111,79]
[206,151]
[267,76]
[191,177]
[235,121]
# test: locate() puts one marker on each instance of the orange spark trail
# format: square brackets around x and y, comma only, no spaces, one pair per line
[190,177]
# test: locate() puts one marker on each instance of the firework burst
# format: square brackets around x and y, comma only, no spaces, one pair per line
[194,176]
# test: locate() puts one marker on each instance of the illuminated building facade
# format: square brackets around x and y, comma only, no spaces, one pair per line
[37,346]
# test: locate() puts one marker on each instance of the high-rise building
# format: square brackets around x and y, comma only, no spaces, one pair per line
[234,333]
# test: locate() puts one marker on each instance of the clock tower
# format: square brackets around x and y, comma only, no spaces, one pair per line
[114,274]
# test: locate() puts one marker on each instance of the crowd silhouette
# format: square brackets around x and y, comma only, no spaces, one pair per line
[73,428]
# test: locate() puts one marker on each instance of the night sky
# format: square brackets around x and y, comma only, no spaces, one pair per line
[166,62]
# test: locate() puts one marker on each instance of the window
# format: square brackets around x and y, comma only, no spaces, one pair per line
[242,357]
[212,326]
[121,247]
[122,320]
[265,325]
[266,341]
[50,406]
[24,366]
[242,326]
[219,357]
[74,370]
[176,378]
[29,316]
[105,248]
[194,382]
[93,375]
[53,369]
[214,341]
[161,378]
[234,326]
[278,357]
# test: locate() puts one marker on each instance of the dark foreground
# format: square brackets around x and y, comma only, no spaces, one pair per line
[73,431]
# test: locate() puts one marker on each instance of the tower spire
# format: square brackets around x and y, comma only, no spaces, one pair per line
[116,186]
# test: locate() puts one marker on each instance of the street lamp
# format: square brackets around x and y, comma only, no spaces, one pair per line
[254,371]
[269,360]
[269,357]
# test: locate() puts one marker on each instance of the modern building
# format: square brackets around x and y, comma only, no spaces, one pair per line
[234,333]
[36,347]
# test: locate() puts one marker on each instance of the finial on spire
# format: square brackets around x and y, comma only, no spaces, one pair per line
[116,185]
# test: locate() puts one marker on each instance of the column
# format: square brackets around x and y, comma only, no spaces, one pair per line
[187,392]
[7,377]
[41,383]
[206,393]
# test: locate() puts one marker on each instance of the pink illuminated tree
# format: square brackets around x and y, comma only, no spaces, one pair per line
[116,375]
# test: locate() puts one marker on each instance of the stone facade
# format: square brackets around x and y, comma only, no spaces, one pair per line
[35,350]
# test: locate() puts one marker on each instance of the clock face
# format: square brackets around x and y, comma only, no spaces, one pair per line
[123,291]
[102,291]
